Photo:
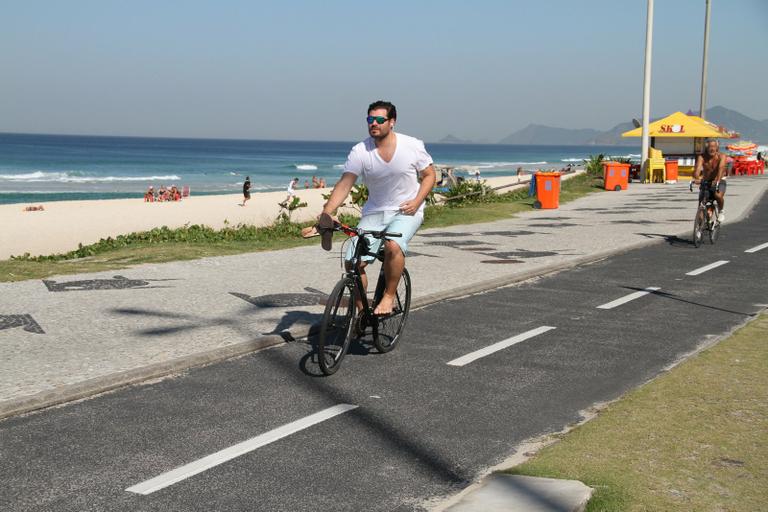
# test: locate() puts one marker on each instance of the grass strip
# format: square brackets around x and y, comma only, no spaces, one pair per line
[692,439]
[192,242]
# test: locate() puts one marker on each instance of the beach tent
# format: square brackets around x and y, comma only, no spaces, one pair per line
[679,125]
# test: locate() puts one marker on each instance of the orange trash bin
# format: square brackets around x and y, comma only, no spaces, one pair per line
[616,175]
[670,169]
[547,190]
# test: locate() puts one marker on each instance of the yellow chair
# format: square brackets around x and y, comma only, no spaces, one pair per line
[656,171]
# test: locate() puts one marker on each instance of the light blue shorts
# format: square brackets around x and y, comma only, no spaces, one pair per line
[394,222]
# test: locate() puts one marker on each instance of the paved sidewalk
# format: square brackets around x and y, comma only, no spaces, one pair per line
[516,493]
[90,332]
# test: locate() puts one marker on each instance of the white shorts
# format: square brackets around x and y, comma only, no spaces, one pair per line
[394,222]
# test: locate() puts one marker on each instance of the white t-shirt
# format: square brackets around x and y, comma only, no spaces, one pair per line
[389,184]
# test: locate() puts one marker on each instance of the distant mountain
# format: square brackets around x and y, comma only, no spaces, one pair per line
[613,136]
[750,129]
[451,139]
[538,134]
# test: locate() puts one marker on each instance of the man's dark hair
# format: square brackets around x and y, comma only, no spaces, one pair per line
[391,110]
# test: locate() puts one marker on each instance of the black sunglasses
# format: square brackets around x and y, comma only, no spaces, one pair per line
[378,119]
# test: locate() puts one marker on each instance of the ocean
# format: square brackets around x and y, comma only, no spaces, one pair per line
[37,168]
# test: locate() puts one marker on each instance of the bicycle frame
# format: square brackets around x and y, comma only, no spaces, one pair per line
[362,249]
[707,200]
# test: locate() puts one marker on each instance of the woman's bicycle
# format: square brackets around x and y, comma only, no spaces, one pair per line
[706,214]
[340,325]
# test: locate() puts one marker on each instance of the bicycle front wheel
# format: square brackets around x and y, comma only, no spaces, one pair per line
[387,328]
[698,226]
[714,229]
[335,337]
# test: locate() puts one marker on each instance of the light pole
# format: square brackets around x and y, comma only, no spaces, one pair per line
[703,104]
[647,91]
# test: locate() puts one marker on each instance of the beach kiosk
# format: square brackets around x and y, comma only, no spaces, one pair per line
[678,139]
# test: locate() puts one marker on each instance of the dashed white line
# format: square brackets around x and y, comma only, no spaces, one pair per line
[628,298]
[705,268]
[490,349]
[200,465]
[758,248]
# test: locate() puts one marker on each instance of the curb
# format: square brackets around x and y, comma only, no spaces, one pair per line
[98,385]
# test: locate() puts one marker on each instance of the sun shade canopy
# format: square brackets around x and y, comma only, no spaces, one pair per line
[682,125]
[742,145]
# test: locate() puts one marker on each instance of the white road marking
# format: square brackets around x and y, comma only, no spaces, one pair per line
[200,465]
[490,349]
[758,248]
[705,268]
[628,298]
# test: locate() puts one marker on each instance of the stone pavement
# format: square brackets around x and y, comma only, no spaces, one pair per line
[75,335]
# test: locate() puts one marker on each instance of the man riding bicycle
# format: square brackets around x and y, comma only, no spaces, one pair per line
[390,165]
[711,169]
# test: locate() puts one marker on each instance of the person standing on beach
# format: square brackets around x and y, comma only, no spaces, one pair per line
[390,165]
[246,190]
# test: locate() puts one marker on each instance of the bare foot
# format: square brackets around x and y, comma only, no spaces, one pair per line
[385,305]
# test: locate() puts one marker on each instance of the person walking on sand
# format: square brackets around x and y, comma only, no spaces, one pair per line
[291,192]
[246,190]
[390,164]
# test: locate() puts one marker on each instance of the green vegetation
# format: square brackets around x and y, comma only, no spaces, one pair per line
[693,439]
[287,210]
[594,164]
[469,192]
[195,241]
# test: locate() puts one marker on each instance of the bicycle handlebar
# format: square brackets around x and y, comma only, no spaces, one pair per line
[326,225]
[711,183]
[338,226]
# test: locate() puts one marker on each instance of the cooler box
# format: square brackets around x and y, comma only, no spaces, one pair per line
[547,190]
[616,175]
[670,169]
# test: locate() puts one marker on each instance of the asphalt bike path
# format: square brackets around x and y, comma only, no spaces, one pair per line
[73,336]
[403,429]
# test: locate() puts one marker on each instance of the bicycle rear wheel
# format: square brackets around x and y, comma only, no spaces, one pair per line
[335,337]
[698,226]
[387,329]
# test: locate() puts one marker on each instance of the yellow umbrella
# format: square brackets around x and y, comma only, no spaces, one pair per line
[682,126]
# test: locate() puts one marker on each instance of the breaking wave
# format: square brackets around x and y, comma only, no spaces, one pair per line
[493,165]
[305,167]
[66,177]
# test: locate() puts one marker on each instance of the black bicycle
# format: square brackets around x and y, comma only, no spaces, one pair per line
[340,325]
[706,214]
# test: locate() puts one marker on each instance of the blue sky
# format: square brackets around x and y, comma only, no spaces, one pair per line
[307,70]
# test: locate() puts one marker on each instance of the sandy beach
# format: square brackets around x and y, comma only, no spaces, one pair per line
[62,225]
